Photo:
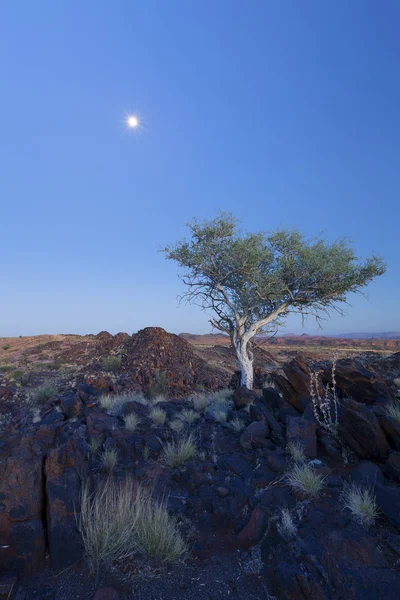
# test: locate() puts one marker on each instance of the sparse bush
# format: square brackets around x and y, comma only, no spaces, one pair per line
[158,416]
[18,375]
[109,459]
[237,424]
[131,422]
[118,521]
[286,526]
[305,479]
[6,347]
[44,392]
[111,363]
[361,503]
[159,385]
[5,368]
[296,451]
[393,410]
[177,453]
[188,415]
[176,425]
[200,402]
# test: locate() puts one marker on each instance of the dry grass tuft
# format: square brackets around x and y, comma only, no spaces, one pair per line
[158,416]
[393,410]
[219,414]
[177,453]
[119,520]
[397,382]
[237,424]
[109,459]
[305,479]
[361,503]
[94,445]
[176,425]
[200,402]
[286,526]
[131,422]
[296,451]
[188,415]
[114,404]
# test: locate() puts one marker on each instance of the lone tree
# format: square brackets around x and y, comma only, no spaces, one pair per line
[252,280]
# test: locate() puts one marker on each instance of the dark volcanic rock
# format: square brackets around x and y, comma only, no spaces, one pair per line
[359,382]
[360,429]
[22,542]
[66,468]
[254,435]
[303,432]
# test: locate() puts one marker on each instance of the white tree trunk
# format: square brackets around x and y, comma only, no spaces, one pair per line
[245,358]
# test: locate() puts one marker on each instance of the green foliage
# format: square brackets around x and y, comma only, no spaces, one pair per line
[159,385]
[6,346]
[44,392]
[6,368]
[111,363]
[250,279]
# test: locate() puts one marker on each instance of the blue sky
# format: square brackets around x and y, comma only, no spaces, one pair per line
[285,113]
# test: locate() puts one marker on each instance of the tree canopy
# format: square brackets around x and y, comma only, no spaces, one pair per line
[253,276]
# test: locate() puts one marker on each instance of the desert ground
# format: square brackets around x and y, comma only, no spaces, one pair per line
[288,491]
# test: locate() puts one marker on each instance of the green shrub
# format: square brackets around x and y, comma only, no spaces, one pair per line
[6,368]
[44,392]
[111,363]
[6,347]
[159,385]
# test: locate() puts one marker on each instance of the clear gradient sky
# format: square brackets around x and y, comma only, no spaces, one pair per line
[284,112]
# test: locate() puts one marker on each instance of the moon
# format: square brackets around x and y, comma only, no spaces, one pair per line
[132,121]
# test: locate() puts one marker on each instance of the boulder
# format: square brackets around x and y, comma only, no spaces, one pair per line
[360,430]
[359,382]
[22,540]
[393,465]
[243,397]
[254,436]
[303,432]
[388,500]
[66,468]
[254,529]
[392,430]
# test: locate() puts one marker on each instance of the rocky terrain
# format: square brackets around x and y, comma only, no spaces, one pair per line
[70,403]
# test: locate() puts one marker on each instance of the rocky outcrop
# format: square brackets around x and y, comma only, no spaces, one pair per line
[153,350]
